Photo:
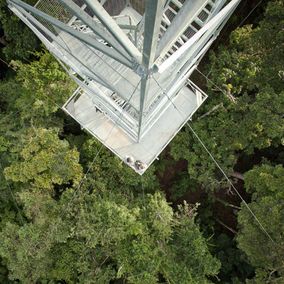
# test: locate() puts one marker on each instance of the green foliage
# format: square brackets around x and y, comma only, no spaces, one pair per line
[254,59]
[4,275]
[45,161]
[200,167]
[265,255]
[235,268]
[35,95]
[265,180]
[46,87]
[181,186]
[9,92]
[120,176]
[250,69]
[20,40]
[114,226]
[189,259]
[89,238]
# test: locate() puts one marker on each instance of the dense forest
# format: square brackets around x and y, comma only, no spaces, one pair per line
[72,212]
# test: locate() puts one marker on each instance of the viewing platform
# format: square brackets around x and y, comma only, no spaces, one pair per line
[131,60]
[98,124]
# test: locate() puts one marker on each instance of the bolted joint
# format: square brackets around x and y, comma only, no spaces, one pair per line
[141,71]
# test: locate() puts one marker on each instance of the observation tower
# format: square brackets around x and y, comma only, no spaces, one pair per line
[131,61]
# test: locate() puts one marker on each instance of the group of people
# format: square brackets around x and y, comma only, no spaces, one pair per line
[137,164]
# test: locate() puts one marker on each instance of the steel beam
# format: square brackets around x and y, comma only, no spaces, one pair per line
[81,36]
[186,65]
[102,2]
[153,18]
[86,71]
[127,27]
[189,57]
[95,27]
[63,52]
[189,10]
[215,21]
[167,4]
[196,53]
[201,47]
[114,29]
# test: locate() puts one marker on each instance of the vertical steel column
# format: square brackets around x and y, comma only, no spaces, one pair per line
[153,17]
[189,10]
[81,36]
[95,27]
[215,21]
[114,29]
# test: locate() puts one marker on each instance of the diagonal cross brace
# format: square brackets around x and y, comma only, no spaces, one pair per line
[114,29]
[215,21]
[66,53]
[189,10]
[95,27]
[81,36]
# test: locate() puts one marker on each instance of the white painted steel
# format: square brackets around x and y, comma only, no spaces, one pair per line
[120,86]
[151,145]
[214,22]
[114,29]
[187,12]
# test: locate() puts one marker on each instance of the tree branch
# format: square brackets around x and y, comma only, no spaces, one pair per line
[237,175]
[227,227]
[211,110]
[3,41]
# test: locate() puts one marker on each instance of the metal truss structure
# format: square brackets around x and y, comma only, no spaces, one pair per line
[131,60]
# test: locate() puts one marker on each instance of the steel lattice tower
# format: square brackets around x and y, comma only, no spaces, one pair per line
[132,61]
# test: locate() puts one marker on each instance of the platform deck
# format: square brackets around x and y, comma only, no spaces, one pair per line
[113,137]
